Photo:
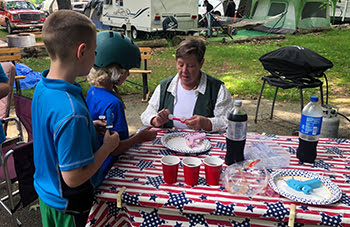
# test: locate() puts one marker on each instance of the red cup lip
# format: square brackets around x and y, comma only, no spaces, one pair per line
[221,162]
[163,160]
[191,162]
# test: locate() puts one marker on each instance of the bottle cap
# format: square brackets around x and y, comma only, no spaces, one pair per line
[238,102]
[314,99]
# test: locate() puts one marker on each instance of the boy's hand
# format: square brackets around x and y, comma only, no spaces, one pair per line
[100,127]
[146,134]
[111,140]
[161,118]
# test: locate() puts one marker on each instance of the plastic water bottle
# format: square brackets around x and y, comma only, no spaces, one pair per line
[309,131]
[236,134]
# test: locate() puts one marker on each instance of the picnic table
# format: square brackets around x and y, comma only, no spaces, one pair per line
[149,201]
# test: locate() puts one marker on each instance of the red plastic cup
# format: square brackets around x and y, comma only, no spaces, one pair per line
[191,170]
[170,166]
[213,166]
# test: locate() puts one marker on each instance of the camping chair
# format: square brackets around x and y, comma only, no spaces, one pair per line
[18,164]
[5,102]
[22,108]
[294,67]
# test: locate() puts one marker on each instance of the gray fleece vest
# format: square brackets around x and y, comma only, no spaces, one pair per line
[205,103]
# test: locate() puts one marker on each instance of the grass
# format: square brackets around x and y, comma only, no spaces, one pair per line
[238,65]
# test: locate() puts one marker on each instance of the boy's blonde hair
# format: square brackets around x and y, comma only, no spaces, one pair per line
[101,76]
[64,30]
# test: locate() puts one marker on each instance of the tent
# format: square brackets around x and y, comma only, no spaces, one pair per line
[294,14]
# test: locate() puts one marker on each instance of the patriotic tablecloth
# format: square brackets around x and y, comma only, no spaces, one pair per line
[149,201]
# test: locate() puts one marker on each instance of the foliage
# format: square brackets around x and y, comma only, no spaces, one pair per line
[238,65]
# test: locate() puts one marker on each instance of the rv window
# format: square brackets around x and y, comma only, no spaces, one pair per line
[119,3]
[277,8]
[314,9]
[108,2]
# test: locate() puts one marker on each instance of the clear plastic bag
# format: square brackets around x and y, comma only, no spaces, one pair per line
[270,153]
[248,177]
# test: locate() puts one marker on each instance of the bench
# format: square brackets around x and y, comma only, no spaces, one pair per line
[12,55]
[146,54]
[8,59]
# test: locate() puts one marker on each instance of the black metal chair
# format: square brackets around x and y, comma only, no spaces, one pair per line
[294,67]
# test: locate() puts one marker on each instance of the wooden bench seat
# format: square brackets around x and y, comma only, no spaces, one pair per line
[12,55]
[146,54]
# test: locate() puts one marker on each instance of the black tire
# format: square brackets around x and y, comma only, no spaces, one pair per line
[134,33]
[217,13]
[169,23]
[9,29]
[201,21]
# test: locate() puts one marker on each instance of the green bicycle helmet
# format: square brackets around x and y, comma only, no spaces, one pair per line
[113,47]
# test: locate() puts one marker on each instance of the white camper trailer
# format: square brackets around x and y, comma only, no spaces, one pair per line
[148,16]
[342,12]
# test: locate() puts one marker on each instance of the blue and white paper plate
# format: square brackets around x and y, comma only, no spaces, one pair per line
[176,142]
[327,193]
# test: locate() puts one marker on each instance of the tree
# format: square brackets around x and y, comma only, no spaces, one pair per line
[64,4]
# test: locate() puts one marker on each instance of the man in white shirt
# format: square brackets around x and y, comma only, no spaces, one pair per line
[191,94]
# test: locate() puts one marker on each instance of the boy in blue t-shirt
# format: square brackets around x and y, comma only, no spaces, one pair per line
[4,90]
[67,154]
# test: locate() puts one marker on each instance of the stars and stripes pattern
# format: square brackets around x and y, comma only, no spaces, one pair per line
[149,201]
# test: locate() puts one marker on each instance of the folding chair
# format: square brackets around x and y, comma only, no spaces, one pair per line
[22,108]
[18,164]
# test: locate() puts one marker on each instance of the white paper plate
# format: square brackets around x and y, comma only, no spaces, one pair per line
[176,142]
[327,193]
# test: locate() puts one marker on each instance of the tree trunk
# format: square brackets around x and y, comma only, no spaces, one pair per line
[33,52]
[176,40]
[64,4]
[254,39]
[311,30]
[153,43]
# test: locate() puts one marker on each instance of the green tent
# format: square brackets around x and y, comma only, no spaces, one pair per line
[294,14]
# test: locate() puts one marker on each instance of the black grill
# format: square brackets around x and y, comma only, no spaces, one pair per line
[30,17]
[295,62]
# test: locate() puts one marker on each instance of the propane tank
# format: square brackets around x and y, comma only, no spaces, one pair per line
[330,122]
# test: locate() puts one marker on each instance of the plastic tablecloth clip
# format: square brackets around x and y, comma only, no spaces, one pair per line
[119,197]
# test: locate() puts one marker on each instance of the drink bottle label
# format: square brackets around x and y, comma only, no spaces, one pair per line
[310,125]
[236,130]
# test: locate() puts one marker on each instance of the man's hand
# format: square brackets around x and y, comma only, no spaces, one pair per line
[100,127]
[161,118]
[197,122]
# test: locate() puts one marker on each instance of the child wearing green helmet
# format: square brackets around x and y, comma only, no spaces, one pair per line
[115,55]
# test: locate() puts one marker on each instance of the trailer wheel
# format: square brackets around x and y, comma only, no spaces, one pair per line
[134,33]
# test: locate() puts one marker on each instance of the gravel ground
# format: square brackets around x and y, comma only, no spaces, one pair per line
[285,122]
[285,119]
